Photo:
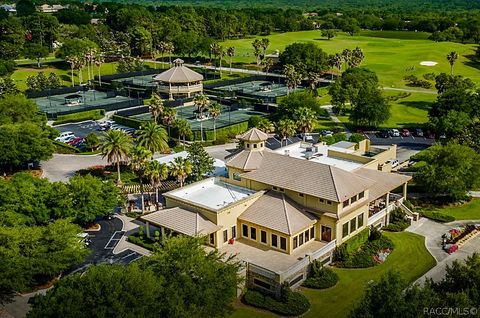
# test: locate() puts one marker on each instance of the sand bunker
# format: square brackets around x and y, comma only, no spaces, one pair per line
[428,63]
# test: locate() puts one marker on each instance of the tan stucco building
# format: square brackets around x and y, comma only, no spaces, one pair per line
[179,81]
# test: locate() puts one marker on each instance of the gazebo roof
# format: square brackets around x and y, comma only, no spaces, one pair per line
[179,74]
[254,134]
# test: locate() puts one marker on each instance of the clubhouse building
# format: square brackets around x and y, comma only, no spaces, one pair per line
[278,210]
[179,81]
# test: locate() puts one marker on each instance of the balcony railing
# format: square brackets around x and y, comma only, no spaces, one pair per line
[180,89]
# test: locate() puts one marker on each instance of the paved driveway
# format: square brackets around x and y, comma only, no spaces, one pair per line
[81,129]
[63,167]
[433,241]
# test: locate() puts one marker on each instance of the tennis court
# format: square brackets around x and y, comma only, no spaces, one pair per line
[139,81]
[257,88]
[83,100]
[229,115]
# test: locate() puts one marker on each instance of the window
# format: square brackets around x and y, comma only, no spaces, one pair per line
[212,238]
[225,236]
[345,229]
[244,230]
[361,195]
[248,145]
[353,225]
[234,231]
[329,202]
[274,188]
[254,145]
[281,189]
[261,145]
[300,239]
[360,220]
[274,240]
[346,203]
[321,200]
[354,199]
[253,233]
[283,243]
[312,233]
[261,283]
[307,236]
[236,176]
[296,280]
[301,194]
[295,242]
[263,237]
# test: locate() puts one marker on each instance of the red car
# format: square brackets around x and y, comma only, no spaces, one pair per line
[405,132]
[75,141]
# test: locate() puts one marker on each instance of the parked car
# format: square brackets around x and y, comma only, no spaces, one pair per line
[66,140]
[394,133]
[418,132]
[405,132]
[326,133]
[394,162]
[384,134]
[65,135]
[442,136]
[430,135]
[75,141]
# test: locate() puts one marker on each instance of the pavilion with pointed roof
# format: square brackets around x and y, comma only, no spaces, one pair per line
[179,81]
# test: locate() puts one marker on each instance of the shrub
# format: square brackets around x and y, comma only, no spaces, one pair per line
[356,137]
[363,258]
[320,277]
[126,121]
[63,148]
[375,234]
[292,304]
[142,241]
[437,216]
[398,221]
[340,253]
[93,114]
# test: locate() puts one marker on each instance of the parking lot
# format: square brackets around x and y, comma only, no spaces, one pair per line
[81,129]
[410,141]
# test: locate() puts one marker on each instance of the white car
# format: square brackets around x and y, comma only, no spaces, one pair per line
[395,133]
[65,135]
[394,162]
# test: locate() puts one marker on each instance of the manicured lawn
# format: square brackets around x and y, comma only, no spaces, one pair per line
[467,211]
[389,54]
[410,258]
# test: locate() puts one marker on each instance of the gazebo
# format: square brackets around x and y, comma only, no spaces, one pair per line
[179,81]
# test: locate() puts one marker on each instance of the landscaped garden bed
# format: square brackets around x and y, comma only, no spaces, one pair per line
[397,221]
[290,303]
[373,251]
[458,235]
[320,277]
[142,240]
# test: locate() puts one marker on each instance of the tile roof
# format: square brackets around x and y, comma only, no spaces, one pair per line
[181,221]
[384,181]
[275,211]
[246,160]
[253,134]
[179,74]
[304,176]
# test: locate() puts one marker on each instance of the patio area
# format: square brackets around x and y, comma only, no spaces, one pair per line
[266,257]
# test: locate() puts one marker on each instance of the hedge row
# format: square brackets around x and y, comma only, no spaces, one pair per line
[437,216]
[223,133]
[295,303]
[126,121]
[320,277]
[94,114]
[63,148]
[138,241]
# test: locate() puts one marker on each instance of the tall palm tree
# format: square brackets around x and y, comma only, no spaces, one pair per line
[264,43]
[217,51]
[313,79]
[266,126]
[183,129]
[293,77]
[357,57]
[286,128]
[168,117]
[215,109]
[337,61]
[139,157]
[305,118]
[180,169]
[347,55]
[99,60]
[257,50]
[169,49]
[156,106]
[153,137]
[156,172]
[452,58]
[201,102]
[116,147]
[162,48]
[72,61]
[231,53]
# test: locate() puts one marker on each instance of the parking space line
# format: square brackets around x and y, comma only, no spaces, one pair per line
[112,239]
[133,253]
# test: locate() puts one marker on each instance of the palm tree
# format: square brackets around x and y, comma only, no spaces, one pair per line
[264,43]
[201,101]
[357,57]
[217,51]
[156,106]
[162,48]
[266,126]
[286,128]
[257,46]
[267,64]
[99,60]
[139,157]
[183,129]
[231,53]
[313,79]
[116,147]
[337,61]
[156,172]
[169,49]
[79,63]
[153,137]
[293,77]
[305,118]
[180,169]
[168,117]
[215,109]
[347,55]
[452,58]
[72,61]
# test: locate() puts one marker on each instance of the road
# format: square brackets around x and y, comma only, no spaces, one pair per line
[63,167]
